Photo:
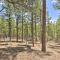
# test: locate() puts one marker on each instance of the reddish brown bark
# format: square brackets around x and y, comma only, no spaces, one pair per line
[43,26]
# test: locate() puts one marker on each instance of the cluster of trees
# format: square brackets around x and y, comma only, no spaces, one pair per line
[27,18]
[53,30]
[4,28]
[21,24]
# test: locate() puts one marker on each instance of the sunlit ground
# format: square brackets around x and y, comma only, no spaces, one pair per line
[21,51]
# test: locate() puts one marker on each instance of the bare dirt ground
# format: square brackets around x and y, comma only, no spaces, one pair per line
[19,51]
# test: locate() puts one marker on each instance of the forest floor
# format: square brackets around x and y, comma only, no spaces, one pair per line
[17,51]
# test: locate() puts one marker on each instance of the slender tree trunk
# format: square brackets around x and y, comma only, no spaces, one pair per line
[35,20]
[43,39]
[48,30]
[9,28]
[9,23]
[32,29]
[22,24]
[26,32]
[32,25]
[27,29]
[39,35]
[17,28]
[35,29]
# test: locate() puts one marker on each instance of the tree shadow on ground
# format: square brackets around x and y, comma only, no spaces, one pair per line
[10,53]
[55,48]
[40,53]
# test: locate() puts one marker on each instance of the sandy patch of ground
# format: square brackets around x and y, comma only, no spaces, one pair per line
[14,51]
